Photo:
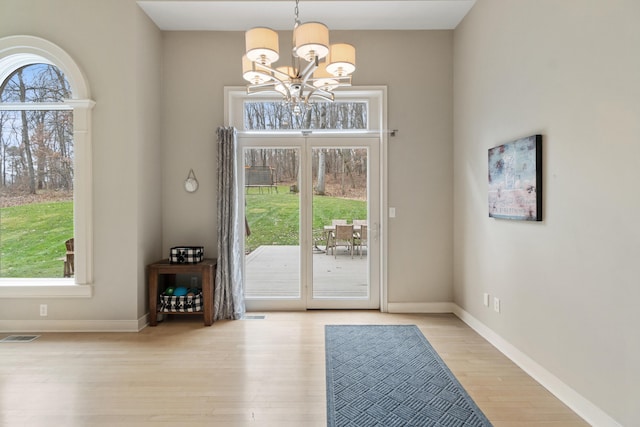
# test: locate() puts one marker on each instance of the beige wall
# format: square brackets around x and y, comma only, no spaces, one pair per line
[197,67]
[570,71]
[147,86]
[138,75]
[566,69]
[118,49]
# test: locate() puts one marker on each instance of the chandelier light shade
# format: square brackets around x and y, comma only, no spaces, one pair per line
[308,77]
[248,73]
[323,79]
[311,40]
[262,45]
[342,60]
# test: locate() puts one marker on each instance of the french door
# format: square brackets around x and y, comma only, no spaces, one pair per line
[294,190]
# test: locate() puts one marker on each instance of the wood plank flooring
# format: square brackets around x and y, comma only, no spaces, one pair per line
[263,372]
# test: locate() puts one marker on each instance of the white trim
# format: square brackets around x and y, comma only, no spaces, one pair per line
[21,50]
[16,52]
[384,206]
[143,322]
[234,97]
[44,288]
[420,307]
[40,326]
[376,98]
[581,406]
[83,190]
[574,400]
[33,106]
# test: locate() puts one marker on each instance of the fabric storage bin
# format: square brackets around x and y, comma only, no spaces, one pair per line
[186,254]
[181,304]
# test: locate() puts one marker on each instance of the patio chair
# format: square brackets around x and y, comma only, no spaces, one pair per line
[361,238]
[343,237]
[68,260]
[319,237]
[331,234]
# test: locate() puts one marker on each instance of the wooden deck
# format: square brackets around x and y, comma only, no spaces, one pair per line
[274,272]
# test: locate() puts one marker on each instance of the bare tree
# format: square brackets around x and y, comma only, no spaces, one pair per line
[43,137]
[261,115]
[322,168]
[3,150]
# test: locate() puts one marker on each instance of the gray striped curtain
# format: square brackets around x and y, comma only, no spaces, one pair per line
[228,295]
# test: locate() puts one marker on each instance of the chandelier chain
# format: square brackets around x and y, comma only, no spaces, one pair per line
[296,11]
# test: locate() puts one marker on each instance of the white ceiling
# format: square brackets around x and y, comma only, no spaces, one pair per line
[240,15]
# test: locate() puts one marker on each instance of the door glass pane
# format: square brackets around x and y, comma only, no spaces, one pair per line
[340,197]
[272,231]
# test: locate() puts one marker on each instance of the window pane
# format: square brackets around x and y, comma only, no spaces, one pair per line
[35,83]
[276,115]
[272,223]
[36,176]
[340,261]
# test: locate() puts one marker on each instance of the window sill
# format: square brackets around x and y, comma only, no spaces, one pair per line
[43,288]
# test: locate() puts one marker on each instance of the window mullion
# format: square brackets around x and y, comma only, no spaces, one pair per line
[34,106]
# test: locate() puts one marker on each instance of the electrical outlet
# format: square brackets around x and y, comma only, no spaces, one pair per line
[43,309]
[486,299]
[194,281]
[496,304]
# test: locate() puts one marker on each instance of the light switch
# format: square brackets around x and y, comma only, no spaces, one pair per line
[392,212]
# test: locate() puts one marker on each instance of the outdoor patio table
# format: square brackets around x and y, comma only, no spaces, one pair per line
[330,229]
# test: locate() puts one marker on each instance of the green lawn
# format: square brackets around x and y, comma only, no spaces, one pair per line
[32,236]
[274,217]
[32,239]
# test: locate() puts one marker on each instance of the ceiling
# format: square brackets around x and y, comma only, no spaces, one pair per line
[240,15]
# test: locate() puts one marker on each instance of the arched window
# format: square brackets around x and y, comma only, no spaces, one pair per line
[45,153]
[36,175]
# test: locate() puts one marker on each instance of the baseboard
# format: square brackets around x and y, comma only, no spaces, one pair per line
[420,307]
[33,326]
[581,406]
[143,322]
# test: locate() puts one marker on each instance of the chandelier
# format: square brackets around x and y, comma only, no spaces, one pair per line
[316,69]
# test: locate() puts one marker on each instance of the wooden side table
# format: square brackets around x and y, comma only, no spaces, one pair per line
[206,269]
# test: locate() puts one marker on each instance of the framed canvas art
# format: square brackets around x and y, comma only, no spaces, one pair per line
[515,179]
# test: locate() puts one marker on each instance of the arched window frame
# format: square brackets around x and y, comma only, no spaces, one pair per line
[20,51]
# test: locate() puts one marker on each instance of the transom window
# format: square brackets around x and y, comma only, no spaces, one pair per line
[275,115]
[354,111]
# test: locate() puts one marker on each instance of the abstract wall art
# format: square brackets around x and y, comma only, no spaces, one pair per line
[515,179]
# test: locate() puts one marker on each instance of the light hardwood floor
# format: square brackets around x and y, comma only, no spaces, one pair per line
[266,372]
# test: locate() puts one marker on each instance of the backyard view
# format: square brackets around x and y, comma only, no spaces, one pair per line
[276,199]
[36,174]
[33,231]
[273,218]
[272,211]
[273,234]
